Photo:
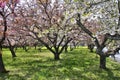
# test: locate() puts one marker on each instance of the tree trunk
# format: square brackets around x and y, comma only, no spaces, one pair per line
[71,47]
[12,51]
[1,47]
[11,48]
[2,67]
[25,48]
[40,49]
[57,56]
[66,47]
[103,62]
[35,47]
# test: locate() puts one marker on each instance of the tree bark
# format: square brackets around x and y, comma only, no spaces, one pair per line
[103,62]
[66,48]
[71,48]
[91,47]
[11,48]
[2,67]
[1,47]
[12,51]
[119,14]
[25,48]
[57,56]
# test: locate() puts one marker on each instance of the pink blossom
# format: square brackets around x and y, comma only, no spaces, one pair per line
[17,1]
[2,4]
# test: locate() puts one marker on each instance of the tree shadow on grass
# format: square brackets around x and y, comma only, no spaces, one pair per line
[7,76]
[72,67]
[111,75]
[48,68]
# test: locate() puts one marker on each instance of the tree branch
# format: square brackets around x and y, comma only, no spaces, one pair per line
[61,41]
[68,40]
[86,30]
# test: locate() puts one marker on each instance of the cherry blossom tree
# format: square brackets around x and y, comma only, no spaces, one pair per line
[56,36]
[109,25]
[44,22]
[6,8]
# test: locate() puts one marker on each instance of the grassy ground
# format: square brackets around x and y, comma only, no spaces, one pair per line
[78,64]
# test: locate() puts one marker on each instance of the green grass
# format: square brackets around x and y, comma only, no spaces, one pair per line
[78,64]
